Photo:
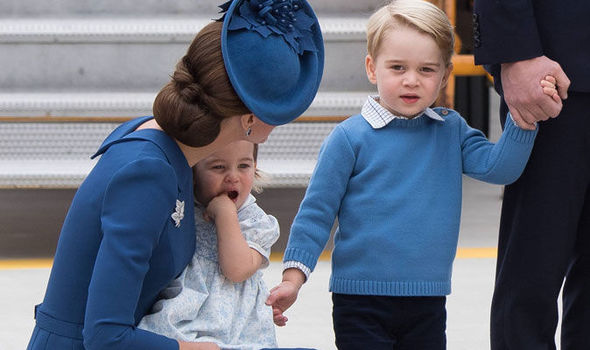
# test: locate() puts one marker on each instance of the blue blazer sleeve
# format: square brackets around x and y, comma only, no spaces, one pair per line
[142,189]
[505,31]
[499,163]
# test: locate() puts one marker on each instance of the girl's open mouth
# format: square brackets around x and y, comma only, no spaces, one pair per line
[232,195]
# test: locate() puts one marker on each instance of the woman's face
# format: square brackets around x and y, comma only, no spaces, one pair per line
[229,170]
[260,131]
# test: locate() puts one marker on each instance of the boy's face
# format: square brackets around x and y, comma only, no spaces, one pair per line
[409,71]
[228,171]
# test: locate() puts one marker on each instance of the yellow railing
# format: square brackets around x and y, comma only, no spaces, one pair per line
[463,65]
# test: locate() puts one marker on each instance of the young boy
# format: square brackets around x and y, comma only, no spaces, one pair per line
[392,175]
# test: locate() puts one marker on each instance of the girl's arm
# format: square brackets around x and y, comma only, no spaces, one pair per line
[237,260]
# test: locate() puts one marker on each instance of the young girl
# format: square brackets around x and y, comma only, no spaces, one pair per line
[126,236]
[220,296]
[392,176]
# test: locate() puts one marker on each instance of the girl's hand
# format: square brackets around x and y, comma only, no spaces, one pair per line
[197,346]
[549,88]
[218,205]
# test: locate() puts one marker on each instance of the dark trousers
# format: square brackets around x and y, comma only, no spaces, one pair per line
[545,238]
[364,322]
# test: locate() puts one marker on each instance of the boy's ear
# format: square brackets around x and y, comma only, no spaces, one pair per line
[370,67]
[448,71]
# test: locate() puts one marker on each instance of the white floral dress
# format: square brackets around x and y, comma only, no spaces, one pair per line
[203,305]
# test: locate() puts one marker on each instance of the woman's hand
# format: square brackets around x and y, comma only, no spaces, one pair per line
[197,346]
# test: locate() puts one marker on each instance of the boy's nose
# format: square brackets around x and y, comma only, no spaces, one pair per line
[410,79]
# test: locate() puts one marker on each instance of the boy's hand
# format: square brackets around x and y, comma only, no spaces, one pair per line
[550,89]
[527,103]
[285,294]
[281,298]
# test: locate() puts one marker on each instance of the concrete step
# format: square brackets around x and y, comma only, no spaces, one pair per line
[150,8]
[116,54]
[131,104]
[57,154]
[37,151]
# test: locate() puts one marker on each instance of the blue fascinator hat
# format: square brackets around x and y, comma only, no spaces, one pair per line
[274,56]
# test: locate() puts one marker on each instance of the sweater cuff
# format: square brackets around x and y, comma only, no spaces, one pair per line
[302,256]
[518,134]
[297,265]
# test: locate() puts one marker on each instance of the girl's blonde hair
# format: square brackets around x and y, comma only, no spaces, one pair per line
[420,15]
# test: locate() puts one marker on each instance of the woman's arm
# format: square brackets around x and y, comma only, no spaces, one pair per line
[136,208]
[237,260]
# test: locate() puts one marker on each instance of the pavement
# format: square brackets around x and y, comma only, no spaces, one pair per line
[310,322]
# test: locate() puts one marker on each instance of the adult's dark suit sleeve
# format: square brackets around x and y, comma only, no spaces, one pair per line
[505,31]
[514,30]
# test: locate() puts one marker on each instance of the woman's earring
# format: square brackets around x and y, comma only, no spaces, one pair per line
[249,131]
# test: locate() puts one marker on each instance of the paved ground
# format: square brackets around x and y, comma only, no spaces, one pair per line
[310,321]
[310,318]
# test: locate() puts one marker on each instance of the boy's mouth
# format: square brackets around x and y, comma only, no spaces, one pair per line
[409,98]
[232,195]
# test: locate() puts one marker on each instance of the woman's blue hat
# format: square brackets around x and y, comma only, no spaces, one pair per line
[274,56]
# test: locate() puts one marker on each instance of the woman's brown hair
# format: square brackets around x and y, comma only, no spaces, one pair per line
[192,105]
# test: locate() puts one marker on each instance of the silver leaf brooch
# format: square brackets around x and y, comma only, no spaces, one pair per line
[178,213]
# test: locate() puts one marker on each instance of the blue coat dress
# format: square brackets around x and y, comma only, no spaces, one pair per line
[124,239]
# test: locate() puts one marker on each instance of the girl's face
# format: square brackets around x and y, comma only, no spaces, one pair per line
[228,171]
[409,71]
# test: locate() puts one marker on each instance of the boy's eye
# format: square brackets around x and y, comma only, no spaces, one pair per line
[397,67]
[428,69]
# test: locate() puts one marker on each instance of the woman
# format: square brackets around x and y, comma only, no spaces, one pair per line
[126,235]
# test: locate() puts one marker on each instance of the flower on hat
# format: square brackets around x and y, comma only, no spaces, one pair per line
[281,17]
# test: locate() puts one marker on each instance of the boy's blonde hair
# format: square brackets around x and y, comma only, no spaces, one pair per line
[420,15]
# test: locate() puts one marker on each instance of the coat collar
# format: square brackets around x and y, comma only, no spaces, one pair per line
[127,132]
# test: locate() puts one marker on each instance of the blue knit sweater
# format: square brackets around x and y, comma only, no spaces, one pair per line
[396,192]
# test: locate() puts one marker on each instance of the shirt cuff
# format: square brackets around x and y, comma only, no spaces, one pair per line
[292,264]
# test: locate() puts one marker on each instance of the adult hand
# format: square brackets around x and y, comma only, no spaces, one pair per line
[197,346]
[524,95]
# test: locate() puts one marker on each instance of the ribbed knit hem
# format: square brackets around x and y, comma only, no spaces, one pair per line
[416,288]
[518,134]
